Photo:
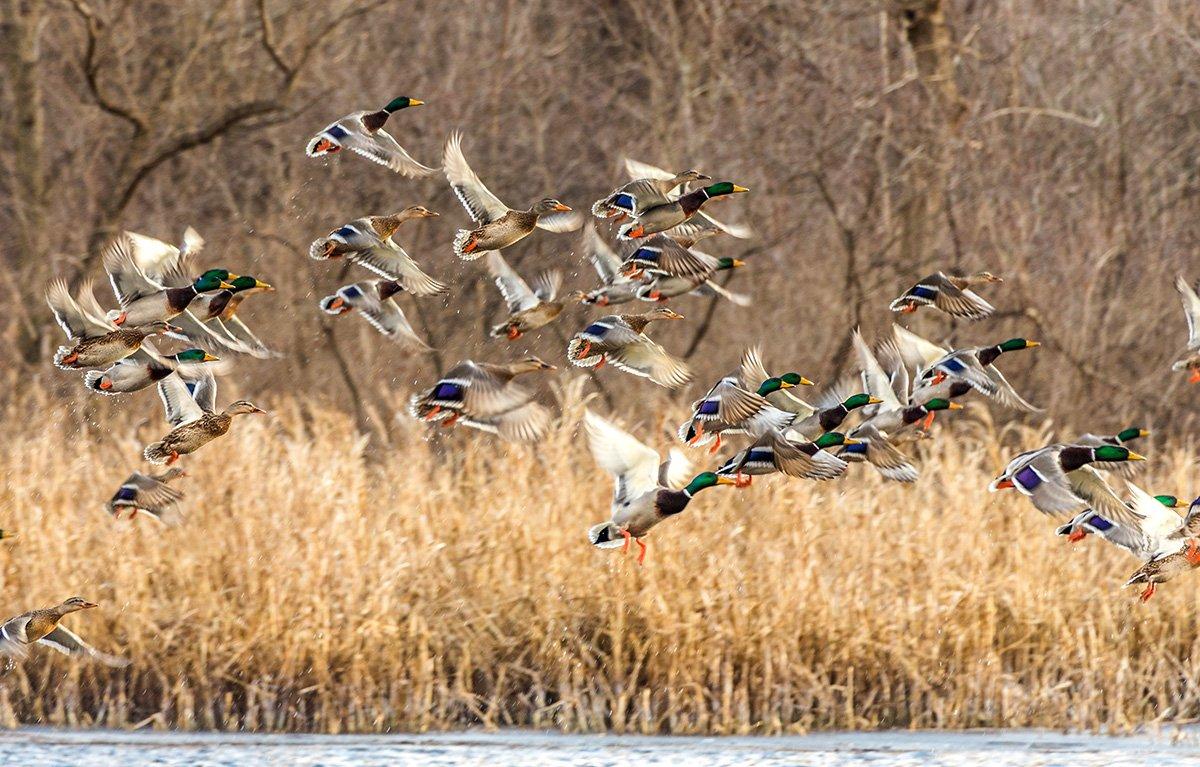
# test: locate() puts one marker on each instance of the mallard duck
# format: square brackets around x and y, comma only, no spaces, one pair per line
[375,303]
[94,341]
[528,308]
[368,242]
[773,452]
[951,293]
[1147,527]
[634,197]
[1124,469]
[42,627]
[149,494]
[363,134]
[483,395]
[663,217]
[701,224]
[142,298]
[1058,480]
[616,288]
[1165,567]
[193,416]
[646,490]
[144,368]
[825,417]
[499,225]
[729,409]
[675,269]
[943,373]
[621,340]
[211,320]
[1190,361]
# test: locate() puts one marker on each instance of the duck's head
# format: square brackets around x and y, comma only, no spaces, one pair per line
[158,327]
[532,364]
[692,175]
[795,379]
[549,205]
[417,211]
[7,534]
[401,102]
[729,263]
[1132,433]
[785,381]
[983,277]
[722,188]
[75,604]
[243,407]
[663,313]
[860,400]
[214,279]
[834,439]
[1017,344]
[1115,454]
[246,282]
[193,355]
[939,403]
[706,480]
[1171,501]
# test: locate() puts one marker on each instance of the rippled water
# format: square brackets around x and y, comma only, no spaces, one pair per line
[513,749]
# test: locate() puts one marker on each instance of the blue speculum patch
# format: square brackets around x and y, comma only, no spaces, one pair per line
[761,456]
[1099,522]
[954,366]
[1027,478]
[624,201]
[338,131]
[447,391]
[345,232]
[126,494]
[595,330]
[857,449]
[352,292]
[709,407]
[645,254]
[923,292]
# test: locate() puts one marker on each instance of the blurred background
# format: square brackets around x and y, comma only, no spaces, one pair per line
[1054,143]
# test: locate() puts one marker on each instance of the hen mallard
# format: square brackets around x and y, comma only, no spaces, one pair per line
[635,197]
[368,242]
[528,308]
[1190,361]
[951,293]
[943,373]
[621,340]
[1164,567]
[697,227]
[484,396]
[143,298]
[373,299]
[363,134]
[95,342]
[1147,527]
[773,452]
[647,491]
[43,627]
[1058,480]
[499,225]
[661,218]
[144,368]
[193,414]
[149,494]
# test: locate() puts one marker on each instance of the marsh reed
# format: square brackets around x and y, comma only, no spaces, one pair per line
[322,583]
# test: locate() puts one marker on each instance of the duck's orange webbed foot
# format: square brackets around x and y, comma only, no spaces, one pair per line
[603,361]
[628,537]
[1147,593]
[1077,535]
[642,553]
[433,412]
[453,419]
[716,446]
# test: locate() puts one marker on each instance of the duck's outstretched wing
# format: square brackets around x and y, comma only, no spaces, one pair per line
[483,206]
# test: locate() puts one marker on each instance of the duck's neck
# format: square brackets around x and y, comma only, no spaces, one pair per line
[988,356]
[389,288]
[1075,457]
[691,202]
[180,298]
[832,417]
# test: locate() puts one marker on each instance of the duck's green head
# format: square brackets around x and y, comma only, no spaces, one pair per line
[193,355]
[245,282]
[1017,344]
[403,102]
[795,379]
[938,403]
[706,480]
[1171,501]
[723,188]
[213,279]
[1114,454]
[729,263]
[1132,433]
[833,439]
[774,384]
[860,400]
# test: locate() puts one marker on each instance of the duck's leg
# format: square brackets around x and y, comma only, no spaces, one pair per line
[1195,376]
[174,457]
[628,537]
[584,351]
[1148,592]
[433,413]
[1077,535]
[603,361]
[928,421]
[642,553]
[699,433]
[453,419]
[717,446]
[513,332]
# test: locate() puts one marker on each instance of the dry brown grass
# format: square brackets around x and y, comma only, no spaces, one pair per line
[315,587]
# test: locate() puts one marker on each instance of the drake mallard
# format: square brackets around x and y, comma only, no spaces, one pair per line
[143,298]
[499,225]
[825,415]
[701,224]
[1190,361]
[1146,527]
[648,490]
[951,293]
[368,242]
[1121,438]
[363,134]
[640,194]
[95,342]
[192,413]
[773,452]
[374,300]
[529,308]
[1058,480]
[149,494]
[211,320]
[615,287]
[484,396]
[144,368]
[43,627]
[621,340]
[674,269]
[727,408]
[660,218]
[945,374]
